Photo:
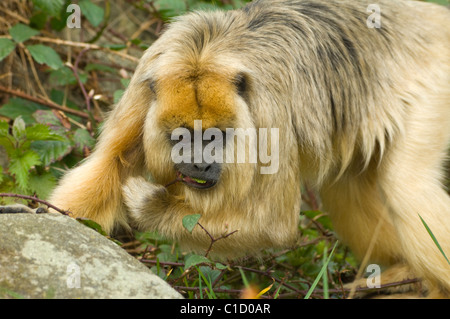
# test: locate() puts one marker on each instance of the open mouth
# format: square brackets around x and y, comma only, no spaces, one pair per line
[195,182]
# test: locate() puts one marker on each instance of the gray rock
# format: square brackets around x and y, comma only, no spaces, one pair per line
[54,256]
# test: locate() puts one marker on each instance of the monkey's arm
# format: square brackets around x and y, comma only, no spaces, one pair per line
[152,207]
[93,189]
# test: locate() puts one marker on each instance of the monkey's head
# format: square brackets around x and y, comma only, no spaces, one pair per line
[198,106]
[212,125]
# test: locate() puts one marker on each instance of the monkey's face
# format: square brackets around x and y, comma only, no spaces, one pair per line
[191,125]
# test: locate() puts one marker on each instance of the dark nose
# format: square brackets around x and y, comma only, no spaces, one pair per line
[203,171]
[202,167]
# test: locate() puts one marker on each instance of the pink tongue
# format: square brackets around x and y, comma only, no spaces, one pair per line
[188,180]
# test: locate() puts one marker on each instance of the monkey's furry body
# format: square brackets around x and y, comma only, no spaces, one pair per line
[363,113]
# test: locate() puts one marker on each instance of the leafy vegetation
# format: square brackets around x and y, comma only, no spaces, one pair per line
[57,82]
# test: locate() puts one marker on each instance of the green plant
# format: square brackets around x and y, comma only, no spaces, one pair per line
[35,141]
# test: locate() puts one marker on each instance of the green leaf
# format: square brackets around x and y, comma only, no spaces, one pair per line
[6,47]
[21,32]
[51,151]
[171,8]
[4,128]
[18,128]
[195,260]
[39,132]
[42,184]
[441,2]
[48,118]
[20,107]
[91,224]
[21,164]
[83,139]
[65,76]
[93,13]
[189,221]
[434,238]
[51,7]
[221,266]
[320,217]
[45,55]
[2,176]
[125,82]
[115,46]
[99,67]
[38,20]
[118,95]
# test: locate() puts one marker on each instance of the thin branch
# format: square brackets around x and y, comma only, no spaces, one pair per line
[79,45]
[74,69]
[213,240]
[88,46]
[47,103]
[36,200]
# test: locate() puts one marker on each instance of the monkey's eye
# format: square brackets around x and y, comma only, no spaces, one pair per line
[241,84]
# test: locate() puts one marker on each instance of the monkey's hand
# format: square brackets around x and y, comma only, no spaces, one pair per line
[147,203]
[21,209]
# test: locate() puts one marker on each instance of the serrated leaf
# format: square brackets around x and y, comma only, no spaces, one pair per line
[21,32]
[20,107]
[49,119]
[42,184]
[51,151]
[195,260]
[51,7]
[6,47]
[19,128]
[21,164]
[83,139]
[93,13]
[45,55]
[40,132]
[189,221]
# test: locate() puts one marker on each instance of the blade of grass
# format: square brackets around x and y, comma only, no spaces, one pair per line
[325,275]
[210,293]
[200,283]
[278,292]
[324,267]
[434,238]
[262,292]
[244,278]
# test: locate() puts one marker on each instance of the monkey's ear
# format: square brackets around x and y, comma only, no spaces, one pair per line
[152,86]
[241,83]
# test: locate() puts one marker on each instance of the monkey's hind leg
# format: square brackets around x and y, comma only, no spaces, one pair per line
[410,181]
